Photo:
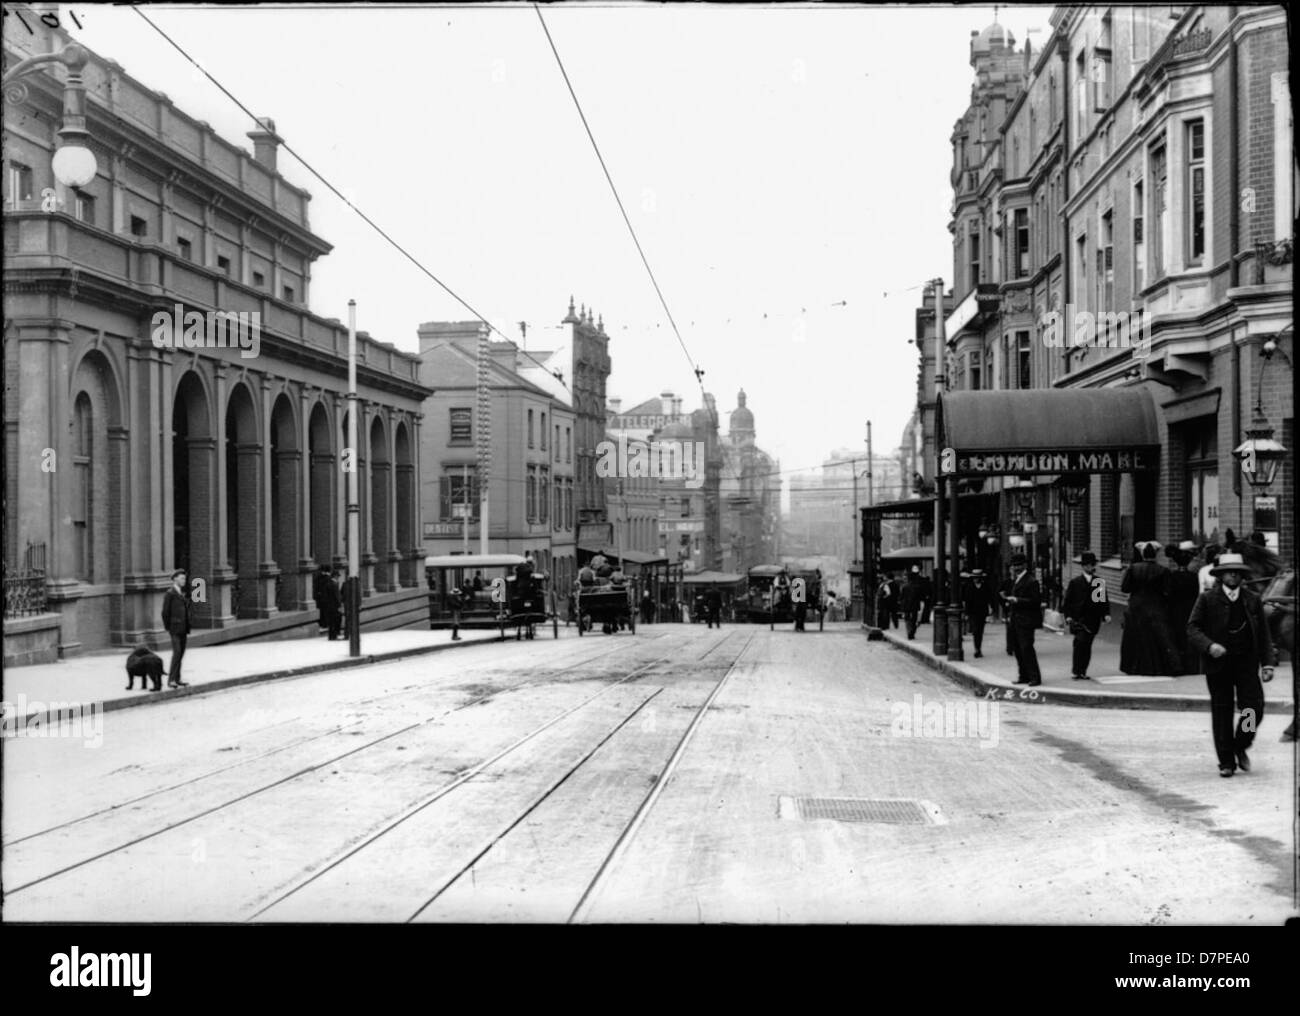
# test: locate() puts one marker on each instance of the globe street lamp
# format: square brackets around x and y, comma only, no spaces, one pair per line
[74,163]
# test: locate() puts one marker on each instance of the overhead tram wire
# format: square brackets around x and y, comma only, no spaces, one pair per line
[334,190]
[695,368]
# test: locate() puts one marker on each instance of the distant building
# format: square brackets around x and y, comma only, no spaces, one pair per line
[750,495]
[531,483]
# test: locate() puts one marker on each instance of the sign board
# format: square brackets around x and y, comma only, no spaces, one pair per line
[1266,512]
[687,526]
[432,530]
[1138,459]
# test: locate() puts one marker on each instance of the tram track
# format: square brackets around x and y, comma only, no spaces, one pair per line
[281,781]
[615,853]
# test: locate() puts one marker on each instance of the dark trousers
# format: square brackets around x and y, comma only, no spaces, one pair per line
[1082,655]
[977,632]
[334,619]
[178,654]
[925,612]
[1242,676]
[800,616]
[909,619]
[1021,636]
[713,616]
[324,622]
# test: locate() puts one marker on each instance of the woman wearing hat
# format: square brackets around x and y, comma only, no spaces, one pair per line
[1146,646]
[1228,626]
[1181,592]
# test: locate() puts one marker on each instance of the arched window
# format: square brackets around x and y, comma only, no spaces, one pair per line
[83,437]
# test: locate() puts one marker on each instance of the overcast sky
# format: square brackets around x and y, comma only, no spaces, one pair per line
[789,162]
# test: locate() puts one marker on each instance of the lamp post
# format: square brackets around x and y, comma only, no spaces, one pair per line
[73,163]
[1261,453]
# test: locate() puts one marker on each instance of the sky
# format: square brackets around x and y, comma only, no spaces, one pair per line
[785,170]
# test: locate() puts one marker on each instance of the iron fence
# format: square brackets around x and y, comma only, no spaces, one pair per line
[25,584]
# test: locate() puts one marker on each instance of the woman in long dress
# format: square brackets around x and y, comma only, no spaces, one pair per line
[1146,646]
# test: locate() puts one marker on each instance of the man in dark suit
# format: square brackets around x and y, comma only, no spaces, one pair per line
[713,606]
[1228,626]
[1086,608]
[977,599]
[176,619]
[319,581]
[1025,614]
[910,600]
[331,603]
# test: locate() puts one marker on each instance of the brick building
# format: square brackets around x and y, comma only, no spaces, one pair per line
[1122,220]
[133,443]
[533,441]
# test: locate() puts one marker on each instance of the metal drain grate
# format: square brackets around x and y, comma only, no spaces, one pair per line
[894,811]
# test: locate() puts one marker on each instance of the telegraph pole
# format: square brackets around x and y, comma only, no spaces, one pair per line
[353,591]
[940,610]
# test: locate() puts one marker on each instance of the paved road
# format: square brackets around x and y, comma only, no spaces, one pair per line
[556,780]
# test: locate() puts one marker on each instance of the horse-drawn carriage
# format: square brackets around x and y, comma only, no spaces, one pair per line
[611,605]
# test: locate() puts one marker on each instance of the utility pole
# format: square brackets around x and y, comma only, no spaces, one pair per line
[353,589]
[940,383]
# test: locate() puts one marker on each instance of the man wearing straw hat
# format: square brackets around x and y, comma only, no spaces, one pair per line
[1228,626]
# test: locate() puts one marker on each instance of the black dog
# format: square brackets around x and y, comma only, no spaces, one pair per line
[145,665]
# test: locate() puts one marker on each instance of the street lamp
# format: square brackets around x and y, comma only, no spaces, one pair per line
[74,163]
[1261,453]
[1025,491]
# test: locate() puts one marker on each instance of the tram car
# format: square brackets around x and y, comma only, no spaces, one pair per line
[490,593]
[610,605]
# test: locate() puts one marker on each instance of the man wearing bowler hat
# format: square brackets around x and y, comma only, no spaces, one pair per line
[1025,605]
[1086,609]
[977,598]
[1228,626]
[176,619]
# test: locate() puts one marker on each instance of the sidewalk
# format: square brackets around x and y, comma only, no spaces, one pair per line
[100,678]
[1107,686]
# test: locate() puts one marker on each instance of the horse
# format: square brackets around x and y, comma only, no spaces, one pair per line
[1279,608]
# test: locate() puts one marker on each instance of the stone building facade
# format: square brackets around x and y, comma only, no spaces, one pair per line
[133,442]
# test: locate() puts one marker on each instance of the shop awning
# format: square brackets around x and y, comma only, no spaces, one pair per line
[705,578]
[1070,430]
[629,556]
[910,554]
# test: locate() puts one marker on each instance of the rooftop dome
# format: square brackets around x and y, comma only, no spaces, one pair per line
[993,37]
[742,419]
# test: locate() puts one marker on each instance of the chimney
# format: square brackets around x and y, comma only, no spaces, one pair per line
[614,405]
[677,406]
[265,142]
[666,398]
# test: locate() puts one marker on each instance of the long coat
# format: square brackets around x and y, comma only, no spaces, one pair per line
[1209,624]
[1080,604]
[176,612]
[1147,647]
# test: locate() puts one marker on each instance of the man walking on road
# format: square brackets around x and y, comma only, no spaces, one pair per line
[977,599]
[1025,614]
[1228,626]
[176,619]
[1086,608]
[713,607]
